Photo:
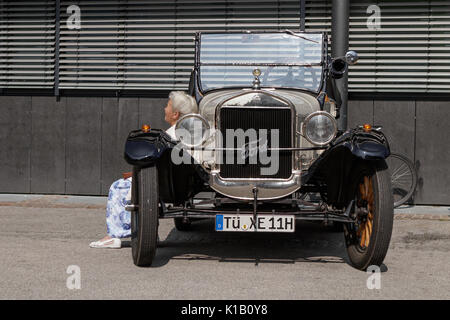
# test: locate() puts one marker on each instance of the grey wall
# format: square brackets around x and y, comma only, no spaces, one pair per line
[419,130]
[75,145]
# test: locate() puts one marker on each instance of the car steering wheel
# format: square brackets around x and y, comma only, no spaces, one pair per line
[288,79]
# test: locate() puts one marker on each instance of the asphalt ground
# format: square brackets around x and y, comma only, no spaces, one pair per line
[41,237]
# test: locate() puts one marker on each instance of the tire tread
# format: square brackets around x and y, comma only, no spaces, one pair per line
[147,233]
[383,223]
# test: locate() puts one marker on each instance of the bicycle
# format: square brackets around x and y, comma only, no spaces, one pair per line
[403,178]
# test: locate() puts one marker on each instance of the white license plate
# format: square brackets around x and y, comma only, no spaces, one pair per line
[263,223]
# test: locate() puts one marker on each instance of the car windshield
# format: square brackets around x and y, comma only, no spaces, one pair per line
[291,60]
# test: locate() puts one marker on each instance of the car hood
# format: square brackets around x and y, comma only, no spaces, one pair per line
[304,103]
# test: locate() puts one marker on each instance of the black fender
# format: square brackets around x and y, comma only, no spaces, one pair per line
[177,182]
[334,166]
[146,148]
[371,145]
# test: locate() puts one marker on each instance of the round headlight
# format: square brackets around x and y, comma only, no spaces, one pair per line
[192,130]
[320,128]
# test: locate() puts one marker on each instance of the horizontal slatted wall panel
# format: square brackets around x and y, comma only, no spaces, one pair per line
[410,52]
[318,16]
[121,44]
[150,44]
[27,35]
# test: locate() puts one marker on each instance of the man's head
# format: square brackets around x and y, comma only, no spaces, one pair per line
[179,104]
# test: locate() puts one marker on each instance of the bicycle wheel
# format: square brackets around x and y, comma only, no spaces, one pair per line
[403,178]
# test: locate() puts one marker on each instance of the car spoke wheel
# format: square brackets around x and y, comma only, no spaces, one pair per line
[365,202]
[144,220]
[368,238]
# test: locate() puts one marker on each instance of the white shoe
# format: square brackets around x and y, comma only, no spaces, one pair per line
[113,243]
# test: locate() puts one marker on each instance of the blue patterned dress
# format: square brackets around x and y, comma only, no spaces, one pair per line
[118,223]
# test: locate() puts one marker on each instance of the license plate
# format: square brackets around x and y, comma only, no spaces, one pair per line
[263,223]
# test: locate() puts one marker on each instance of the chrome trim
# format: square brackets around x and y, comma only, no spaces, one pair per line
[268,149]
[249,90]
[267,190]
[264,64]
[289,105]
[333,120]
[202,119]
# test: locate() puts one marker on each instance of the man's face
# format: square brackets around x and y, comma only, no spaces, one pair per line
[171,117]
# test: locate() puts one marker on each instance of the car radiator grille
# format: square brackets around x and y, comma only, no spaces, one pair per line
[256,118]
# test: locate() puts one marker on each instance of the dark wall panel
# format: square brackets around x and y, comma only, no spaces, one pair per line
[128,119]
[109,166]
[151,112]
[119,117]
[398,121]
[433,152]
[359,113]
[83,145]
[15,141]
[48,145]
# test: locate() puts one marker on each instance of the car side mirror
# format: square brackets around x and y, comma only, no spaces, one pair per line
[351,57]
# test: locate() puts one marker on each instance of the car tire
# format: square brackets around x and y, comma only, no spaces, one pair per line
[181,225]
[144,220]
[368,239]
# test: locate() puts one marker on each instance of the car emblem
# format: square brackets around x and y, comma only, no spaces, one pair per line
[250,149]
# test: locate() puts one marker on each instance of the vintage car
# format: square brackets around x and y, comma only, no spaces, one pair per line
[266,146]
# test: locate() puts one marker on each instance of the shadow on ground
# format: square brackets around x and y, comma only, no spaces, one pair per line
[311,243]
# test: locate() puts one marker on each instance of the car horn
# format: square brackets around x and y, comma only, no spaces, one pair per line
[339,65]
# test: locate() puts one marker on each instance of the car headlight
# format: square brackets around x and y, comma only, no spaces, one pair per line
[192,130]
[319,128]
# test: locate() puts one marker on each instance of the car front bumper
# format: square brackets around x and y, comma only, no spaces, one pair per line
[267,189]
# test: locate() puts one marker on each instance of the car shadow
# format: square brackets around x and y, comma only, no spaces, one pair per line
[311,243]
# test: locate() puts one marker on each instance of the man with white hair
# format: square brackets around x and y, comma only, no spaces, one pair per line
[118,220]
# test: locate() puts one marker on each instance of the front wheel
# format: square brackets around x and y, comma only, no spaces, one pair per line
[368,238]
[144,220]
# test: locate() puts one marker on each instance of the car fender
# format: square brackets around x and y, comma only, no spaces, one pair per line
[177,181]
[366,145]
[334,166]
[146,148]
[368,150]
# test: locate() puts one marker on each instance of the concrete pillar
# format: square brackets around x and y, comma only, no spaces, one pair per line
[339,46]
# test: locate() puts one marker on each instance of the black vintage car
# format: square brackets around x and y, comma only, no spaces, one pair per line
[264,142]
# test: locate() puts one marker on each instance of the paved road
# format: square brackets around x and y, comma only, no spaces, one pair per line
[38,243]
